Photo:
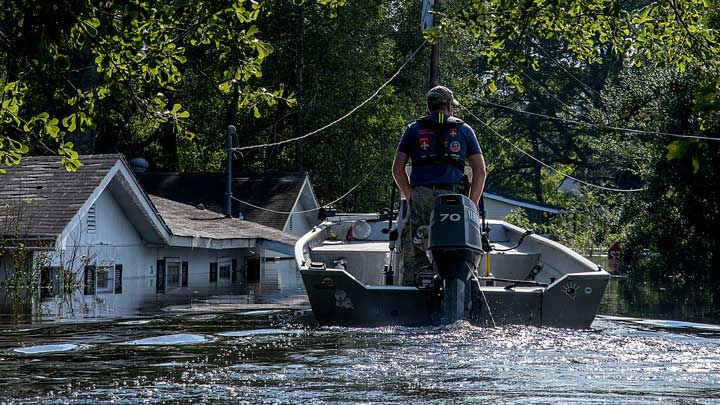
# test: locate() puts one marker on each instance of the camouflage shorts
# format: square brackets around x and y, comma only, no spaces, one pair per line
[413,256]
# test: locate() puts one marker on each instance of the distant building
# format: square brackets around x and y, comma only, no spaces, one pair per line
[97,233]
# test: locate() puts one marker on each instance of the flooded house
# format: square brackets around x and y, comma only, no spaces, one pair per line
[97,243]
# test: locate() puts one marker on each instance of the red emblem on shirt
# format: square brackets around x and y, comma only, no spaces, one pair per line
[455,147]
[453,131]
[424,143]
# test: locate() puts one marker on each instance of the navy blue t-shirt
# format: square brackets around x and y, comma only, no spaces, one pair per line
[419,143]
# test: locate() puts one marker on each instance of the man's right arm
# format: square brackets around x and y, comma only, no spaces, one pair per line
[398,171]
[477,164]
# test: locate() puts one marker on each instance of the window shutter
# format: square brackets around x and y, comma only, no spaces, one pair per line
[160,277]
[118,279]
[46,283]
[213,272]
[234,271]
[89,288]
[184,276]
[92,219]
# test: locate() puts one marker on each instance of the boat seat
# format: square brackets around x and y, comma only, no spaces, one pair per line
[364,260]
[514,264]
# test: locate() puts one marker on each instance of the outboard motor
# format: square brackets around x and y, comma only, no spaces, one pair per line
[455,248]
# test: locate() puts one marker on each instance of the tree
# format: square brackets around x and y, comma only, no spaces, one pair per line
[88,65]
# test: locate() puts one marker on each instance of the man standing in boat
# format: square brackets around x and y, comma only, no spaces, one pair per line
[437,145]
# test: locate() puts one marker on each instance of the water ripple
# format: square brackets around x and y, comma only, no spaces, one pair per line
[618,361]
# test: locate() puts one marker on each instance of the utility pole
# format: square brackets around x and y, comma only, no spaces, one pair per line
[228,195]
[435,53]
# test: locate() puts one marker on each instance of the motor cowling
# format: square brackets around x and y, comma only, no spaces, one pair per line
[455,242]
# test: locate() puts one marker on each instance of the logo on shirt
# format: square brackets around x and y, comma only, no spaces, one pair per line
[453,131]
[424,143]
[455,147]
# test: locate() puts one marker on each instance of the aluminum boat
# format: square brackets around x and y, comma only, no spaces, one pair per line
[351,267]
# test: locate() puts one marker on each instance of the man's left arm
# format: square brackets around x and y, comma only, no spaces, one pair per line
[477,164]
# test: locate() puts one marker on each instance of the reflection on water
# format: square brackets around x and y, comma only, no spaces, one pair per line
[227,357]
[280,286]
[653,345]
[664,300]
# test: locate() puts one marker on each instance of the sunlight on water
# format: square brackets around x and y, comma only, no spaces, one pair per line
[260,313]
[259,332]
[42,349]
[231,357]
[176,339]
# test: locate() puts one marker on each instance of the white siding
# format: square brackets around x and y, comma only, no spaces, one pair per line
[115,241]
[497,209]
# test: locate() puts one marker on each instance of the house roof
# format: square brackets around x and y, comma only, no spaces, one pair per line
[189,221]
[276,191]
[41,196]
[40,200]
[521,202]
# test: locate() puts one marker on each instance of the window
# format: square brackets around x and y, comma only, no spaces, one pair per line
[225,269]
[105,279]
[173,271]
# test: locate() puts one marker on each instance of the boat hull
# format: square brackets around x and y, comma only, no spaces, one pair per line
[337,298]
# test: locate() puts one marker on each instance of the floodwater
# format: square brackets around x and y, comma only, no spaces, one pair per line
[232,352]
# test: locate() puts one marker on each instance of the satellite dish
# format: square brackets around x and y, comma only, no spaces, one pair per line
[361,230]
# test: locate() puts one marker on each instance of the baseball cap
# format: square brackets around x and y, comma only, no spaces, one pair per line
[440,95]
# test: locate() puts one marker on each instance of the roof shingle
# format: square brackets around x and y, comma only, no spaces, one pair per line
[186,220]
[276,191]
[44,197]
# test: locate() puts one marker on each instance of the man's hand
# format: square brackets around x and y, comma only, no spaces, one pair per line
[398,172]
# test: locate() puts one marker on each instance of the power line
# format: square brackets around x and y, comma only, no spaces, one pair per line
[555,61]
[589,121]
[545,164]
[542,86]
[312,209]
[349,113]
[593,125]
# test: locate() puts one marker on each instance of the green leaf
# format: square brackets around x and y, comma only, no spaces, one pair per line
[695,163]
[432,34]
[263,49]
[70,122]
[491,87]
[52,128]
[677,149]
